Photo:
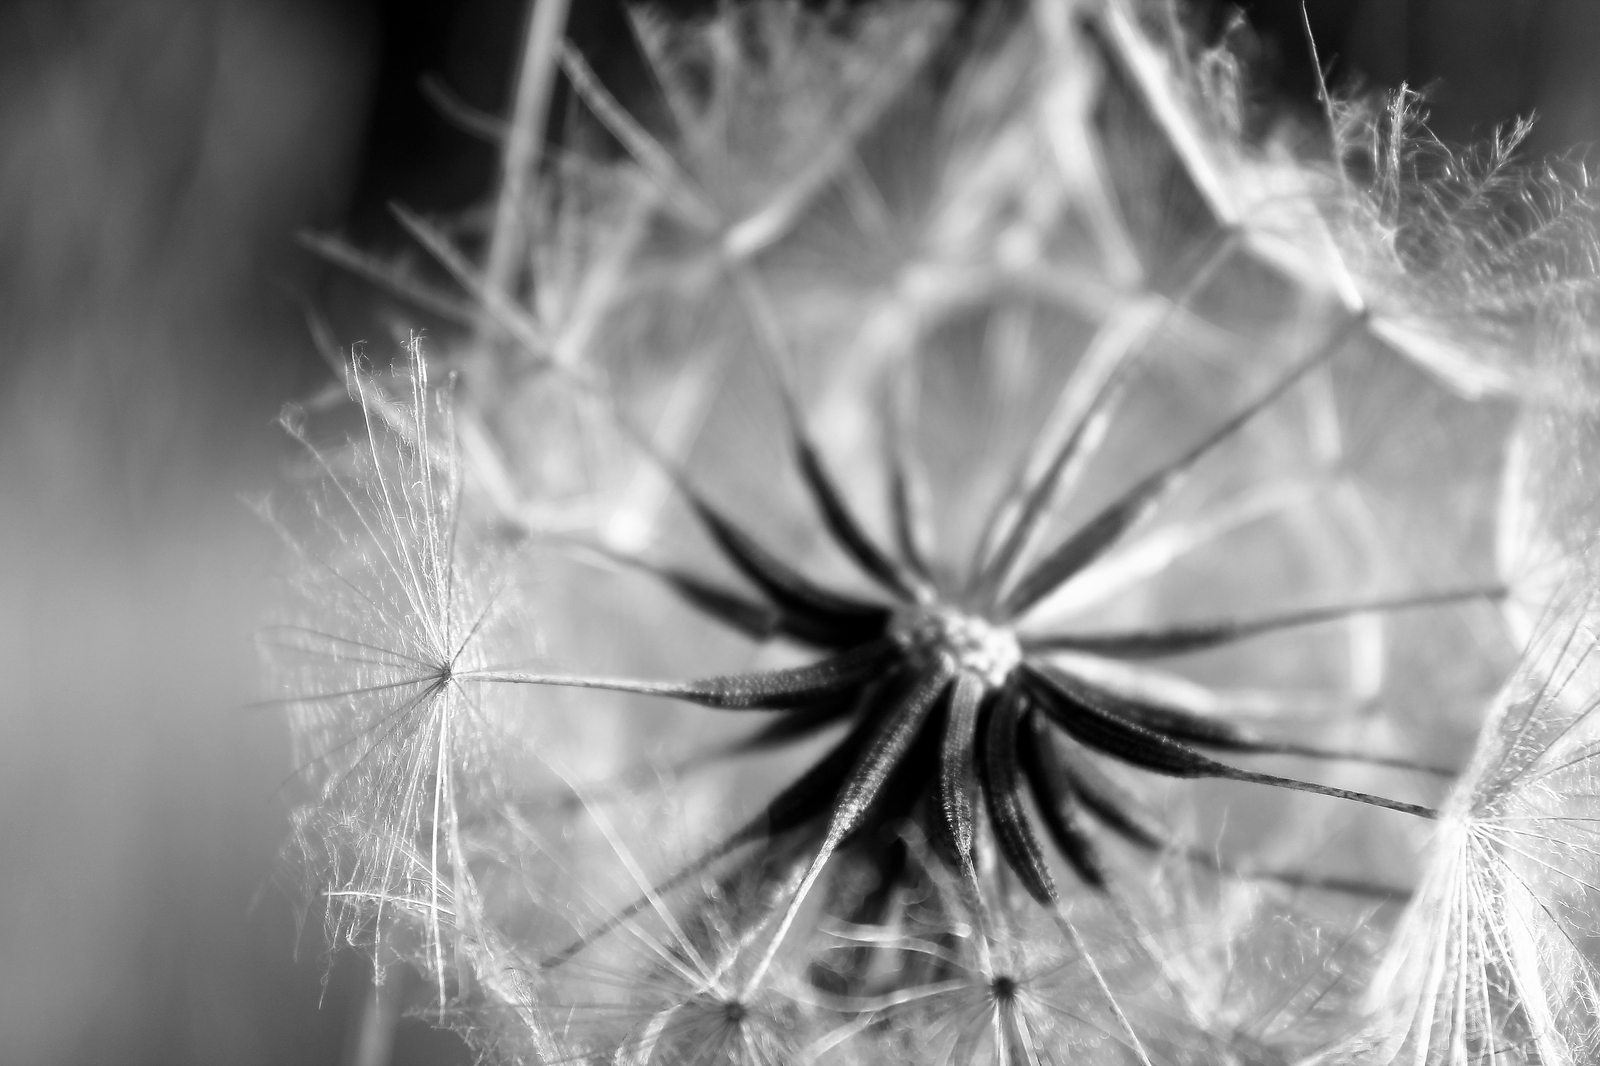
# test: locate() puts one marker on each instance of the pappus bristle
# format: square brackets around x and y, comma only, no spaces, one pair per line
[381,614]
[1491,962]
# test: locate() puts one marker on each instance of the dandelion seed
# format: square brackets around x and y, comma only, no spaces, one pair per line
[976,984]
[673,991]
[1493,962]
[383,617]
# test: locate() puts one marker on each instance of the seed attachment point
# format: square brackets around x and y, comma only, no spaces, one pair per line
[975,645]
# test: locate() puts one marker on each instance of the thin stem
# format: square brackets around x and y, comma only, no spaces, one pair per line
[1183,640]
[1100,533]
[524,141]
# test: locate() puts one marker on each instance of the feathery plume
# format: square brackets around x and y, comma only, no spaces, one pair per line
[382,614]
[1493,961]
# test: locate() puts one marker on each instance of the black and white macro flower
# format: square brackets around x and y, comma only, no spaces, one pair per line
[974,546]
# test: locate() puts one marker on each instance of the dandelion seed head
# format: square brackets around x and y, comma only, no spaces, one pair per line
[1046,473]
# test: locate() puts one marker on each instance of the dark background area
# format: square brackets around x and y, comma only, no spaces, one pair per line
[1482,63]
[156,159]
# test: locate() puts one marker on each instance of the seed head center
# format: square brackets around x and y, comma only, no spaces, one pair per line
[975,645]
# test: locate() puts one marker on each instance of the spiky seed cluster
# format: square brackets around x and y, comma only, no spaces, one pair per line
[948,710]
[1096,365]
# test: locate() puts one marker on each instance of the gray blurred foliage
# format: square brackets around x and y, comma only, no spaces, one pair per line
[157,158]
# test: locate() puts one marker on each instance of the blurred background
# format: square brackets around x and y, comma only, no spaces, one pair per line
[157,160]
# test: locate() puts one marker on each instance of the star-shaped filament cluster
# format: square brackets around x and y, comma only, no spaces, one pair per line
[957,710]
[1493,959]
[380,618]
